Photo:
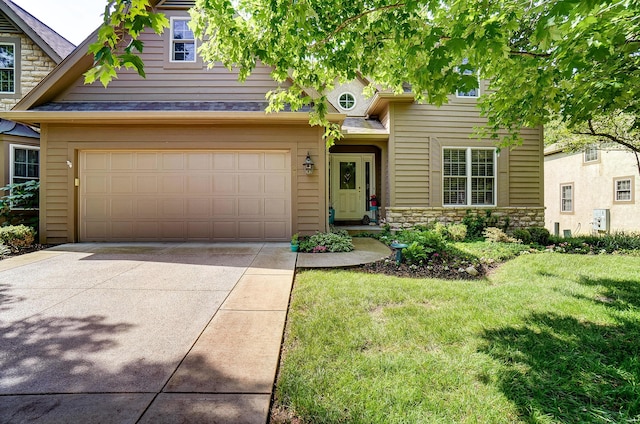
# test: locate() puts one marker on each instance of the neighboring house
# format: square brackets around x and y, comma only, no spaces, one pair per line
[591,191]
[190,154]
[29,50]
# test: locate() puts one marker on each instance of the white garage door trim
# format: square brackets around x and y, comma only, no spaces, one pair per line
[190,195]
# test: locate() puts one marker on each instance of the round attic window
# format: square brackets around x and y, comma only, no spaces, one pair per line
[347,101]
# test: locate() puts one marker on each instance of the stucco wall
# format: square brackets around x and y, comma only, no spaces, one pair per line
[593,189]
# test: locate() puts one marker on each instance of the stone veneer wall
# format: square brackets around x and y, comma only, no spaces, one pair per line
[35,65]
[521,217]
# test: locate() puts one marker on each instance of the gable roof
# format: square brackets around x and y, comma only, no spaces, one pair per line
[54,45]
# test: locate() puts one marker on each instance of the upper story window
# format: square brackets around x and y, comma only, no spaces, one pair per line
[183,42]
[591,154]
[347,101]
[25,166]
[623,189]
[474,92]
[7,68]
[469,176]
[566,198]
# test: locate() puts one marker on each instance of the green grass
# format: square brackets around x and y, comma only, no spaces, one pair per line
[548,338]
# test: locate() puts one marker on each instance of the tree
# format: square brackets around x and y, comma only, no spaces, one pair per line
[576,61]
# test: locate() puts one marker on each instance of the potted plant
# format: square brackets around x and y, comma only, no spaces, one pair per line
[295,242]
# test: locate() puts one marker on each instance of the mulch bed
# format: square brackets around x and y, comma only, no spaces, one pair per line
[434,269]
[23,251]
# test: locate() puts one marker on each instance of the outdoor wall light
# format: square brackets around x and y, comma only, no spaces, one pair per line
[308,165]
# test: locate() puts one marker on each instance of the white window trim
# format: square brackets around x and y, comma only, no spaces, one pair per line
[469,178]
[469,72]
[15,71]
[631,190]
[573,198]
[12,149]
[355,101]
[173,40]
[462,96]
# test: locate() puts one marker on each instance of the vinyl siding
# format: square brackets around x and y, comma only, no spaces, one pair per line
[65,141]
[167,81]
[419,133]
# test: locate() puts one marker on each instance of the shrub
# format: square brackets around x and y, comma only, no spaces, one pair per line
[24,196]
[523,235]
[339,241]
[496,235]
[4,250]
[440,229]
[17,236]
[539,235]
[457,232]
[415,253]
[429,240]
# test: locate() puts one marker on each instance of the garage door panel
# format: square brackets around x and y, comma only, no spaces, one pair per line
[198,208]
[224,161]
[250,207]
[276,207]
[250,230]
[146,161]
[275,230]
[96,184]
[122,184]
[147,208]
[172,184]
[122,229]
[96,207]
[224,183]
[122,208]
[250,184]
[225,230]
[185,195]
[122,161]
[250,162]
[225,207]
[172,208]
[172,230]
[146,230]
[147,184]
[199,162]
[98,161]
[198,184]
[173,161]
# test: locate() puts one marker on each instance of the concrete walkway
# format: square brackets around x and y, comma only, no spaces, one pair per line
[142,333]
[367,250]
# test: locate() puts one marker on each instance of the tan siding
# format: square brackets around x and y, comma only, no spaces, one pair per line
[419,133]
[167,81]
[64,141]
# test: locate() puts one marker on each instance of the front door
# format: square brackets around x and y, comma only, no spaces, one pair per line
[352,177]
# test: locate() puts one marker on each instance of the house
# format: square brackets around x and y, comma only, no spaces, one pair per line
[591,191]
[29,50]
[190,154]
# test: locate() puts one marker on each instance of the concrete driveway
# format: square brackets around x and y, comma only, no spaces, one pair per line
[142,333]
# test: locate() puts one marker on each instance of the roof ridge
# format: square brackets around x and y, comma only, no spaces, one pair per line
[56,43]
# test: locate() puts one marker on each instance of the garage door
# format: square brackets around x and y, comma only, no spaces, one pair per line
[184,196]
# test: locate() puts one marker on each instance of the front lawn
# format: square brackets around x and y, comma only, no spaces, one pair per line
[547,338]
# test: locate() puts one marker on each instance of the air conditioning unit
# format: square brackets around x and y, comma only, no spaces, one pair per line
[601,220]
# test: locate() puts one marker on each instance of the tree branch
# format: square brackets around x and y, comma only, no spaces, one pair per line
[355,18]
[592,132]
[529,54]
